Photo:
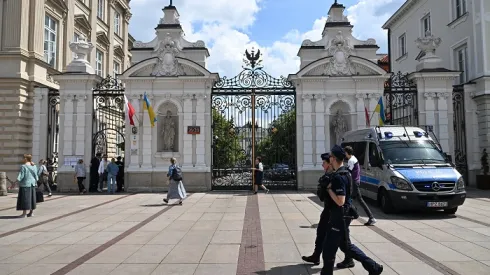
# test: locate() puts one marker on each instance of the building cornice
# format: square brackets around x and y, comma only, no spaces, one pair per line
[402,11]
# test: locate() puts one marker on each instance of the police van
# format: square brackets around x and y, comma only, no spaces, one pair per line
[402,168]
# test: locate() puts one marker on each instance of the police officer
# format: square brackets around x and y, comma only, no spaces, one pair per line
[339,191]
[321,230]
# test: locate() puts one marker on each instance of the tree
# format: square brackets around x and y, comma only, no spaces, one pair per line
[280,144]
[227,150]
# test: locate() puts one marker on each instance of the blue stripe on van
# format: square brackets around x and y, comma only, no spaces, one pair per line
[375,181]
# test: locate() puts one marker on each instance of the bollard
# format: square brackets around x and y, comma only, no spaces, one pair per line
[3,184]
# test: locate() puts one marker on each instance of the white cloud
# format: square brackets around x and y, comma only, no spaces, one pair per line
[224,28]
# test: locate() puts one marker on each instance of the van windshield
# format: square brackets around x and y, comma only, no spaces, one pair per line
[411,152]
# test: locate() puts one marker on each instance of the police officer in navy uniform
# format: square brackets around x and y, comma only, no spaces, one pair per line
[339,191]
[321,230]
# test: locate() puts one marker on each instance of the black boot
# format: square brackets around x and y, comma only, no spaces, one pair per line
[378,271]
[346,263]
[311,259]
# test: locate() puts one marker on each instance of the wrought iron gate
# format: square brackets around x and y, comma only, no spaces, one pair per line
[108,125]
[401,101]
[254,114]
[460,158]
[53,131]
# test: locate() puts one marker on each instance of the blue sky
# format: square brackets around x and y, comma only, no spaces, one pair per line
[277,27]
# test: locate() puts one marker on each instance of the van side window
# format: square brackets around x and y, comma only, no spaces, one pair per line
[360,152]
[374,158]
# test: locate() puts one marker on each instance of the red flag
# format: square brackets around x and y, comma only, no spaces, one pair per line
[368,124]
[130,110]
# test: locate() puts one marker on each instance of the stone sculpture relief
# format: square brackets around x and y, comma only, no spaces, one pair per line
[169,131]
[167,64]
[340,51]
[339,125]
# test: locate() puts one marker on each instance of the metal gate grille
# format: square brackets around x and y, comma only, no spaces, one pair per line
[108,126]
[254,114]
[460,157]
[401,101]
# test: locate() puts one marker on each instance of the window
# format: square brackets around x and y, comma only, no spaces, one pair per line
[426,25]
[50,36]
[116,68]
[117,25]
[461,63]
[101,9]
[374,158]
[99,63]
[411,152]
[402,45]
[460,7]
[359,150]
[76,37]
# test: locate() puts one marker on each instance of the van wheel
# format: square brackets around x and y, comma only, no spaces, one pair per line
[385,202]
[451,211]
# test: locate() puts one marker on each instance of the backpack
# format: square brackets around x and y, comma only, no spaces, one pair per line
[177,173]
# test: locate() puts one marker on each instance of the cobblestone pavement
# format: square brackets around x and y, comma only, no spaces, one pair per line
[228,233]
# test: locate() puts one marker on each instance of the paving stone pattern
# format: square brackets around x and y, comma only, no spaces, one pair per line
[228,234]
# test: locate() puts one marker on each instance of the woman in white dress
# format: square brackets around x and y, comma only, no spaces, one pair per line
[176,188]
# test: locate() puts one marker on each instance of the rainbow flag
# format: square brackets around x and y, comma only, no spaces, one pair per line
[151,113]
[381,110]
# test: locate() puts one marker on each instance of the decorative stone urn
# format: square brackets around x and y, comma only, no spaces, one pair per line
[81,49]
[428,45]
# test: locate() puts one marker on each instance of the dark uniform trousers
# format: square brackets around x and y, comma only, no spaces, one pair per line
[321,232]
[338,237]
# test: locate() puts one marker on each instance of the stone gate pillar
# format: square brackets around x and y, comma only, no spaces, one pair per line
[434,93]
[76,106]
[40,124]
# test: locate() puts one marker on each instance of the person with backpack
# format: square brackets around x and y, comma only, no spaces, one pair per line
[176,188]
[341,214]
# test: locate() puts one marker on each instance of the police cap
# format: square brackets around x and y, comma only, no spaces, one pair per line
[325,156]
[338,152]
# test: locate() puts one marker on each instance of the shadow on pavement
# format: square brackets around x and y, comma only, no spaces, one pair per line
[10,217]
[298,269]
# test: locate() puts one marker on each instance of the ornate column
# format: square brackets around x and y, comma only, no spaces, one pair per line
[473,151]
[110,35]
[146,140]
[360,105]
[188,150]
[66,130]
[307,132]
[200,139]
[36,29]
[444,115]
[80,138]
[127,17]
[39,124]
[430,117]
[132,154]
[320,128]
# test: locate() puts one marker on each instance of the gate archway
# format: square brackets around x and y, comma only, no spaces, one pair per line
[108,121]
[253,114]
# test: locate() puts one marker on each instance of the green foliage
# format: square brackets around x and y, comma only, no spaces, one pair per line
[280,144]
[227,150]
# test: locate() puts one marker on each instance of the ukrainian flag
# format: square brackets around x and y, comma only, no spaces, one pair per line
[151,113]
[381,110]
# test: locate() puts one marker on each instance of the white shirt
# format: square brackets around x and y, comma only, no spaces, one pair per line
[102,166]
[351,162]
[261,166]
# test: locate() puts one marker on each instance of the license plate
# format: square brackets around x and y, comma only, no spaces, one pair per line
[437,204]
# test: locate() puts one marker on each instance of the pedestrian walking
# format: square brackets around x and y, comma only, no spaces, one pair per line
[102,173]
[337,236]
[176,188]
[355,169]
[80,175]
[259,175]
[27,178]
[321,230]
[112,171]
[120,174]
[43,175]
[94,173]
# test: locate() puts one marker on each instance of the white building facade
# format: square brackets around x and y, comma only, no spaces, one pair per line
[338,80]
[463,27]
